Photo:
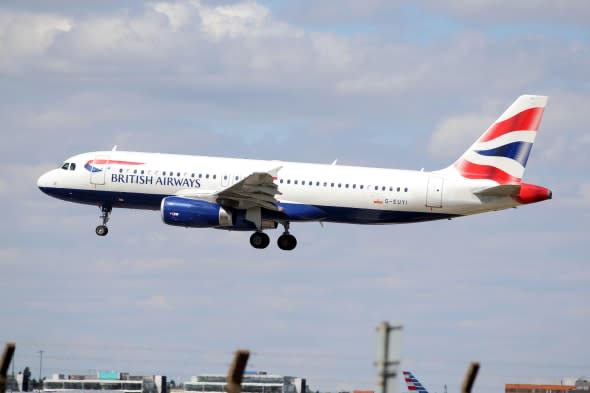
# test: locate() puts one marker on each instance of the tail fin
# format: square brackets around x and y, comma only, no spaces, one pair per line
[413,384]
[501,153]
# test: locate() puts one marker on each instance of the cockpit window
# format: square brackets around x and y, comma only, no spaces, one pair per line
[65,166]
[72,167]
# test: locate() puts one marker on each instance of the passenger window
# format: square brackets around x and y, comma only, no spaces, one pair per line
[303,182]
[354,186]
[178,174]
[135,171]
[289,181]
[294,181]
[376,188]
[237,177]
[317,183]
[383,188]
[406,189]
[362,186]
[331,184]
[398,189]
[339,185]
[192,175]
[325,184]
[215,176]
[281,181]
[207,176]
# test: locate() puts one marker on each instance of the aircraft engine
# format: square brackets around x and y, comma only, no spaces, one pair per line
[194,213]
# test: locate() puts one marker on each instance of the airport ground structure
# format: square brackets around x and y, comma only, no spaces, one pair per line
[581,385]
[252,382]
[116,382]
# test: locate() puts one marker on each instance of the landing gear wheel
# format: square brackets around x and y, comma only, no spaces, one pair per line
[259,240]
[102,230]
[287,242]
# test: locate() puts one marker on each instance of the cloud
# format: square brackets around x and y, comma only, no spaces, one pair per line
[28,36]
[455,134]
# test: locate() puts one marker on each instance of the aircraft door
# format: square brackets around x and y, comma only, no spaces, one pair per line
[434,192]
[97,168]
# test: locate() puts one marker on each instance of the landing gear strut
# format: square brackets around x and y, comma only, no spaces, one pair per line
[286,241]
[102,230]
[259,240]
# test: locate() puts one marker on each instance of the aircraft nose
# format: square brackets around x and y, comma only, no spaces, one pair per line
[45,180]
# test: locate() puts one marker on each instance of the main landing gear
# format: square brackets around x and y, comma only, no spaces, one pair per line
[102,230]
[285,242]
[259,240]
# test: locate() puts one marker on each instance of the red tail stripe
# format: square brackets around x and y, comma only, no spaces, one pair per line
[527,120]
[475,171]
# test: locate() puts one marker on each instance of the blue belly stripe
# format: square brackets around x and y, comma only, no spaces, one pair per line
[298,212]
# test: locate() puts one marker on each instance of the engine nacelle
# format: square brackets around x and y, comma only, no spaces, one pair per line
[194,213]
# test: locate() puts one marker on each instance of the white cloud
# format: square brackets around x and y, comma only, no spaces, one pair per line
[455,134]
[28,36]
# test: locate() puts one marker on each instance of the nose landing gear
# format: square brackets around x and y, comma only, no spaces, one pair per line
[102,230]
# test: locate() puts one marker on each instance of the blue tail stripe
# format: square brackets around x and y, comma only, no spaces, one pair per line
[518,151]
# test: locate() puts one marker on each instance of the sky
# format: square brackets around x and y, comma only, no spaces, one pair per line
[375,83]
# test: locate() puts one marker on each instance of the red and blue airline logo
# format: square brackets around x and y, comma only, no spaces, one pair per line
[94,166]
[414,386]
[527,120]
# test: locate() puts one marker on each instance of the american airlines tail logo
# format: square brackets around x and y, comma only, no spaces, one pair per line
[414,386]
[91,166]
[502,152]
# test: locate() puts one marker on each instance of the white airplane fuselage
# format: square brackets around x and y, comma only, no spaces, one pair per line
[347,194]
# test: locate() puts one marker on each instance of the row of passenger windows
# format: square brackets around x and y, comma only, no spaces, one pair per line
[343,185]
[172,173]
[281,181]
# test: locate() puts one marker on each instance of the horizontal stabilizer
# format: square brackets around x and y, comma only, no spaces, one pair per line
[504,190]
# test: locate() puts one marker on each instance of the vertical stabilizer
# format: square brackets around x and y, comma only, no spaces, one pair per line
[414,386]
[501,153]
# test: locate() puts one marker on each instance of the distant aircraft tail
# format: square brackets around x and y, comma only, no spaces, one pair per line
[501,153]
[413,384]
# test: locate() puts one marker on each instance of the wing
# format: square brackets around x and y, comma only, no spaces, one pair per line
[255,190]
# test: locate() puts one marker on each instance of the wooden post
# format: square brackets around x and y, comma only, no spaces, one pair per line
[470,377]
[6,359]
[236,371]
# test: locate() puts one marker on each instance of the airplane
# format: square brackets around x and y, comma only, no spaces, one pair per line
[257,195]
[414,386]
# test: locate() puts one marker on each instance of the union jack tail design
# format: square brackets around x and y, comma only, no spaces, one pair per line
[414,386]
[501,153]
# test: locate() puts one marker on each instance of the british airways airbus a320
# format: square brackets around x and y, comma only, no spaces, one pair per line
[256,195]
